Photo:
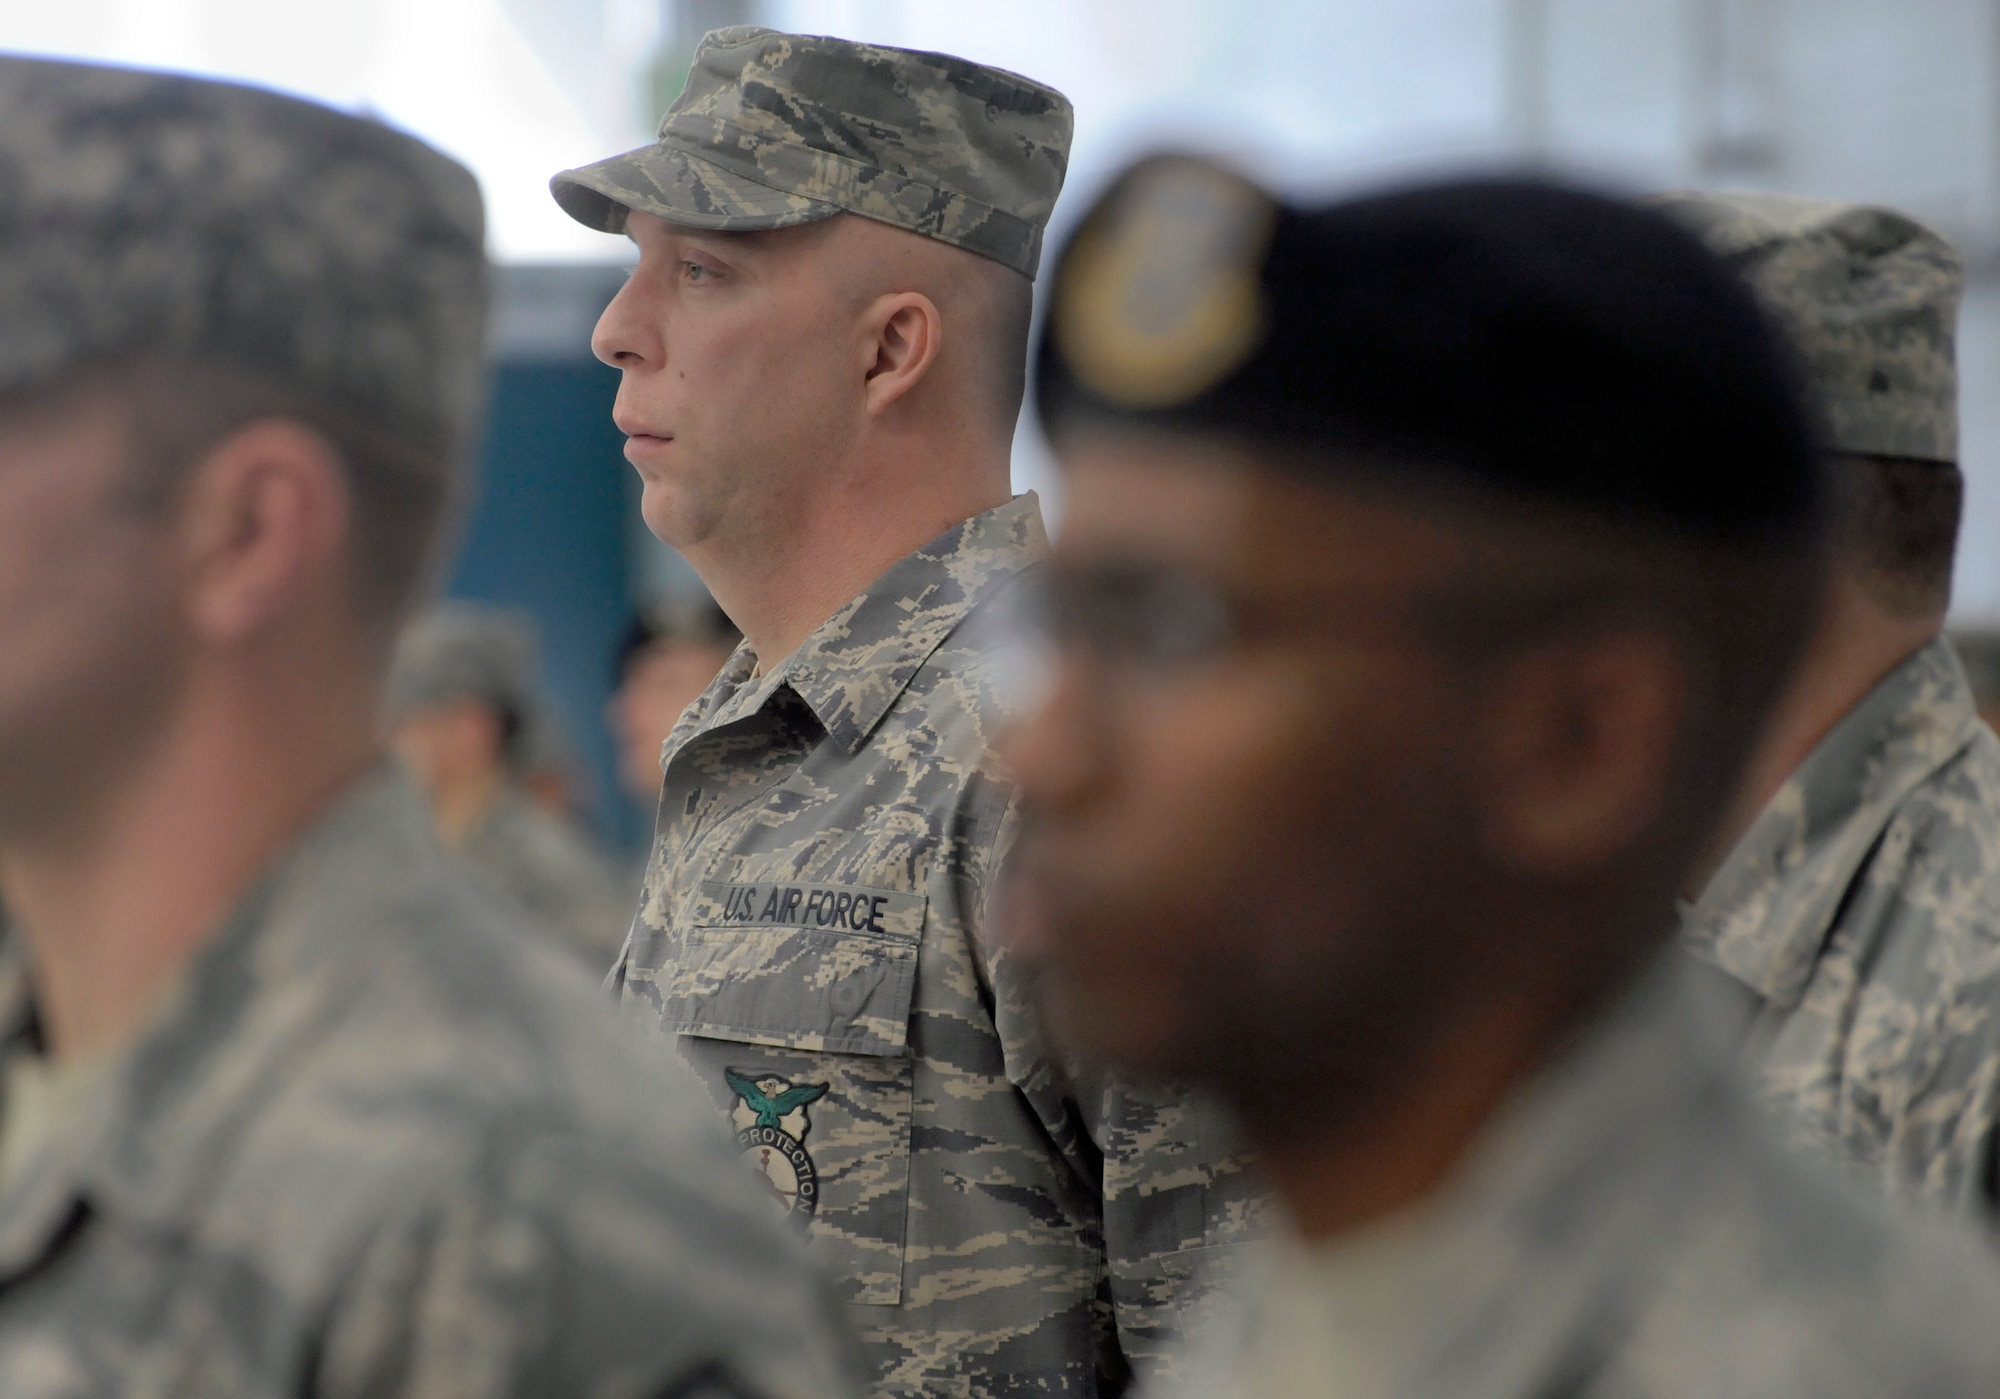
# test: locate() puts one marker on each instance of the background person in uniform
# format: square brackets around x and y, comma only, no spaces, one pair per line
[1857,916]
[671,653]
[1428,563]
[291,1108]
[1978,651]
[464,703]
[824,349]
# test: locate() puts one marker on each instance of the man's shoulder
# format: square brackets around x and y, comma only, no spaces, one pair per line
[437,1020]
[1798,1283]
[1925,904]
[975,683]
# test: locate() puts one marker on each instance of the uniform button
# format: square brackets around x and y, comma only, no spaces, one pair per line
[848,996]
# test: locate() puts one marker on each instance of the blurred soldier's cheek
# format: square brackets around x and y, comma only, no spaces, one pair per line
[1140,873]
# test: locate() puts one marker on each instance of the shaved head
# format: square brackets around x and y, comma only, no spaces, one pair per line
[986,307]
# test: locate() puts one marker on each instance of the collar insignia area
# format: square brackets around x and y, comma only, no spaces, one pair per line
[771,1127]
[1159,298]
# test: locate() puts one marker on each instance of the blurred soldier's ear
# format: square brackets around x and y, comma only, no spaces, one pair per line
[262,522]
[1578,737]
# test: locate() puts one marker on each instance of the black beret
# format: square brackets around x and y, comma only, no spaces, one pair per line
[1517,335]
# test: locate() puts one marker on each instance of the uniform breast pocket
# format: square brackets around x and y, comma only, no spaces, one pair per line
[793,1006]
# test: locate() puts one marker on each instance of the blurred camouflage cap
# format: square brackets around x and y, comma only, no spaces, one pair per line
[147,214]
[461,651]
[1869,299]
[780,129]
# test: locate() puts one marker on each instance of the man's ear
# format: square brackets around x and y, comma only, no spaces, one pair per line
[263,517]
[904,334]
[1579,738]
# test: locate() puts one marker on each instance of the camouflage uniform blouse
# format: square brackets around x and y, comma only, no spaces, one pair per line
[812,936]
[545,865]
[379,1143]
[1858,922]
[1626,1228]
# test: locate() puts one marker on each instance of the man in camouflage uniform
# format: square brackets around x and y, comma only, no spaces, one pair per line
[1428,563]
[1857,918]
[290,1108]
[824,348]
[465,706]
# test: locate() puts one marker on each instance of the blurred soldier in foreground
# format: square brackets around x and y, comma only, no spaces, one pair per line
[671,653]
[464,699]
[1428,564]
[824,347]
[1857,918]
[292,1110]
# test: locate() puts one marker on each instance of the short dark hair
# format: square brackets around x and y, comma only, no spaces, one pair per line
[1895,529]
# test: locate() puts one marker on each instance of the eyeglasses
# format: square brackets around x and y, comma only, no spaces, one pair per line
[1137,618]
[1154,620]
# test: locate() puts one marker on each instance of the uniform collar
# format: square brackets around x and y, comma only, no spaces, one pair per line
[1765,916]
[163,1126]
[854,667]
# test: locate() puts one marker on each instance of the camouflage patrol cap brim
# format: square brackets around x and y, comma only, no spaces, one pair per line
[149,215]
[681,188]
[778,129]
[1869,299]
[464,651]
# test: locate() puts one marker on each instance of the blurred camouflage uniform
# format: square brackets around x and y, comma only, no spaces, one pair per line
[1858,919]
[813,929]
[1978,651]
[1629,1227]
[380,1141]
[374,1141]
[533,857]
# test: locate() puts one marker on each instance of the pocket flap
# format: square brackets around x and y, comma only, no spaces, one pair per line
[826,968]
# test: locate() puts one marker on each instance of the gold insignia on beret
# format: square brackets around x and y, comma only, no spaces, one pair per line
[1159,297]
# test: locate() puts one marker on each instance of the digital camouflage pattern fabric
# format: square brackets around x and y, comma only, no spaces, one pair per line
[151,214]
[1868,296]
[1626,1228]
[381,1141]
[813,937]
[780,129]
[1858,923]
[540,863]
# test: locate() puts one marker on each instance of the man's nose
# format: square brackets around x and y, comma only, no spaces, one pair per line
[623,337]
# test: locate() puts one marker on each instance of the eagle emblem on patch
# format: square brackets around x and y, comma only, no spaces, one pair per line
[1160,298]
[771,1126]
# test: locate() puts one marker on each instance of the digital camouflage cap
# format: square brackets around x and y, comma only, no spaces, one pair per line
[1868,297]
[464,651]
[148,214]
[780,129]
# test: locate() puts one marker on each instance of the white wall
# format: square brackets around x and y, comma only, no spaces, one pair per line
[1891,100]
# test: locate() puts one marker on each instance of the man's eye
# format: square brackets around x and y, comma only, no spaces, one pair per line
[695,272]
[1155,620]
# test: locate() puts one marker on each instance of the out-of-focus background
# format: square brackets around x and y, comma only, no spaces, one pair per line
[1891,100]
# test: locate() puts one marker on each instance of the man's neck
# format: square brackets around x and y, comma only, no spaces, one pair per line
[459,808]
[1335,1178]
[783,590]
[1857,647]
[121,898]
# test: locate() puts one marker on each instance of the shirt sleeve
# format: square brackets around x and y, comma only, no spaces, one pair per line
[562,1266]
[1178,1204]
